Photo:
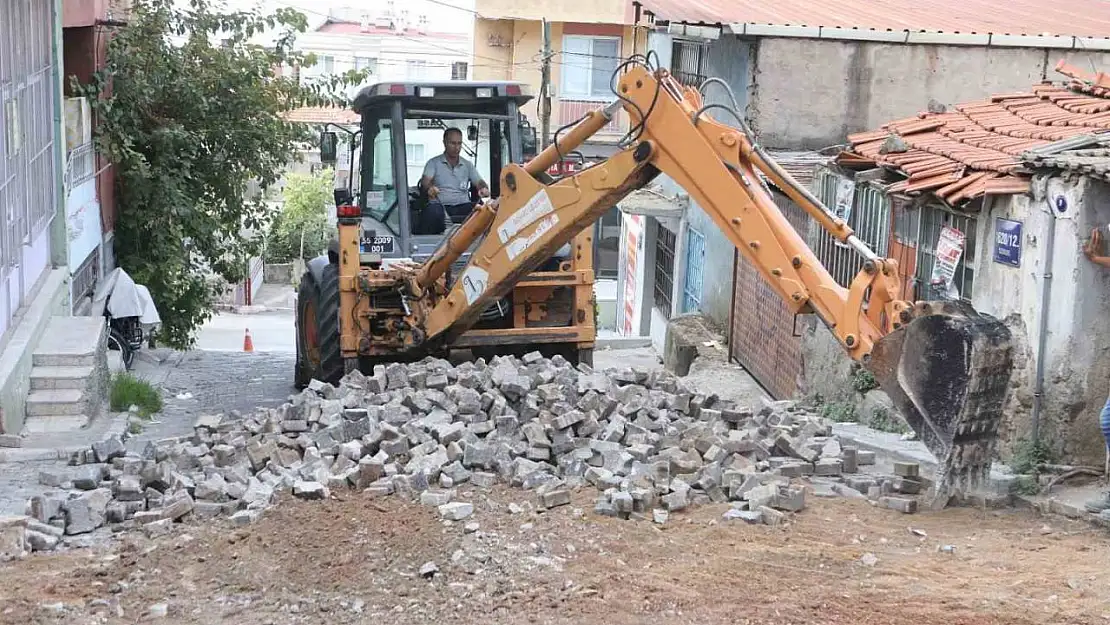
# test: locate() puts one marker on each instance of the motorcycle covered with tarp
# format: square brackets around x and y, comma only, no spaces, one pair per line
[129,312]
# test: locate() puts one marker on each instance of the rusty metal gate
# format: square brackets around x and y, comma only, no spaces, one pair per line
[28,183]
[761,336]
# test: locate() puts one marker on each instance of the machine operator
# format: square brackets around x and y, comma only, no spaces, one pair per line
[1094,251]
[447,179]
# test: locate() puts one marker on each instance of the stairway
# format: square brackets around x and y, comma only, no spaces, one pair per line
[69,376]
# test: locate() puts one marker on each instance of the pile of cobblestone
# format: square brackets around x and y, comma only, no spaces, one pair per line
[644,440]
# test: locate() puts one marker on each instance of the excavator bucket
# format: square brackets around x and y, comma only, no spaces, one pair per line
[948,372]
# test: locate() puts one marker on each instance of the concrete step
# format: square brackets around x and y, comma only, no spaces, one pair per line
[56,402]
[70,342]
[57,424]
[50,378]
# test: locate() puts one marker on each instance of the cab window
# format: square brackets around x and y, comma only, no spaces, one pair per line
[381,195]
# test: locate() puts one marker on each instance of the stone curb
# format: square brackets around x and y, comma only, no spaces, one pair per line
[116,425]
[252,310]
[623,342]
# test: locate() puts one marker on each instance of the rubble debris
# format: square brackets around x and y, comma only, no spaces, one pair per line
[907,469]
[14,543]
[650,446]
[904,505]
[456,511]
[428,570]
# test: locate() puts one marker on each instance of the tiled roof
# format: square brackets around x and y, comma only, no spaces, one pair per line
[800,165]
[321,115]
[1088,155]
[338,27]
[977,149]
[1078,18]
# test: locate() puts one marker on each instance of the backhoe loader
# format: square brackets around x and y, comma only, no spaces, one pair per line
[401,126]
[945,366]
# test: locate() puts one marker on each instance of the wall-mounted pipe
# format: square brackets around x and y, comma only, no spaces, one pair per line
[1042,329]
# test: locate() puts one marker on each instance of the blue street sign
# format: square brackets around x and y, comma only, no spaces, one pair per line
[1007,242]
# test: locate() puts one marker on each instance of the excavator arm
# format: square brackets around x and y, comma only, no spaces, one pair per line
[945,366]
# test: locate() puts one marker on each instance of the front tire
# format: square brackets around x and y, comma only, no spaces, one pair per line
[318,354]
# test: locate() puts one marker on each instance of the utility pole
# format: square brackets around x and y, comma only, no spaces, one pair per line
[545,87]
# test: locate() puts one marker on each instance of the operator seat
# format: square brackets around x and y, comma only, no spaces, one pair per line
[418,203]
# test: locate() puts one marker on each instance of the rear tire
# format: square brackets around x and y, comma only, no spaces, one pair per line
[116,342]
[318,354]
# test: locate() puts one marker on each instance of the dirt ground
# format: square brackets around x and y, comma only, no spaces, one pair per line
[353,559]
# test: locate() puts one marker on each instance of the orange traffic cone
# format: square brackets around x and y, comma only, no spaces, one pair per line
[248,344]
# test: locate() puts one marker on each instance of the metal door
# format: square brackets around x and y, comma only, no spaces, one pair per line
[695,270]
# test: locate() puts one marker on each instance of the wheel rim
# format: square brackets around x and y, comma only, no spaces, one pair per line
[311,337]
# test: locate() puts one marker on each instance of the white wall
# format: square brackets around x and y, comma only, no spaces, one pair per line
[1077,343]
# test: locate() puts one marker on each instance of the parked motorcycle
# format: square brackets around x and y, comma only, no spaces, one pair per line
[129,312]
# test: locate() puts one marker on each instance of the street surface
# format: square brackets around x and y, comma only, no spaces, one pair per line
[356,559]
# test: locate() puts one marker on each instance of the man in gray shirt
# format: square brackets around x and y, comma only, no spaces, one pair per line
[447,179]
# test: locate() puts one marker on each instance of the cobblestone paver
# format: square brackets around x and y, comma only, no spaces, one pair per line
[19,481]
[200,382]
[193,383]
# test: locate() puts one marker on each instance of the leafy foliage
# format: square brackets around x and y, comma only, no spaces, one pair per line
[307,198]
[840,412]
[1028,455]
[189,110]
[885,421]
[864,381]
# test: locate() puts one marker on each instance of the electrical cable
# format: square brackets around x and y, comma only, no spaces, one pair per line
[770,162]
[634,134]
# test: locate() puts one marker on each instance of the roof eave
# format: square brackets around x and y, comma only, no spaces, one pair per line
[802,31]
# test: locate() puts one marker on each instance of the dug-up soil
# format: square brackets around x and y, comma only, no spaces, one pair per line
[352,559]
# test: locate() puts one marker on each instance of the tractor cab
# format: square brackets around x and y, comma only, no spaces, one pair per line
[402,127]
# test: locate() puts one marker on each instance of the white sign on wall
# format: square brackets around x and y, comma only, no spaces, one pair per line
[630,284]
[950,247]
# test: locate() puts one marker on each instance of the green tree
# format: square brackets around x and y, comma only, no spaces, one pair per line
[303,218]
[189,110]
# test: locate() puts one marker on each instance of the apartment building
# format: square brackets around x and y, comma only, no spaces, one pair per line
[422,41]
[587,42]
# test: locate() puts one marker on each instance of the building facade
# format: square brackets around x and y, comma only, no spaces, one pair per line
[1012,186]
[422,41]
[89,179]
[803,89]
[586,43]
[34,230]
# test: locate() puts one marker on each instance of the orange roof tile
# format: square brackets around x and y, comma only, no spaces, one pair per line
[321,115]
[1070,18]
[977,148]
[1075,18]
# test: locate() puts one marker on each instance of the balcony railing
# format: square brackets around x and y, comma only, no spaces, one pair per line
[568,110]
[80,166]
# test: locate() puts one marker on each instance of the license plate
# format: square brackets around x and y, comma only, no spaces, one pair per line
[376,244]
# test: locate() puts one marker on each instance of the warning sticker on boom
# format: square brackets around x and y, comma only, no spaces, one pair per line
[474,281]
[517,246]
[538,206]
